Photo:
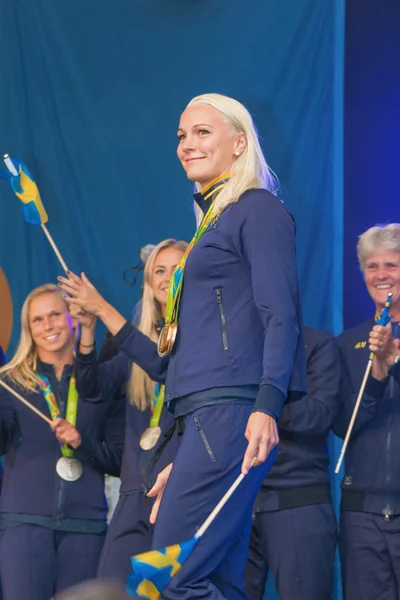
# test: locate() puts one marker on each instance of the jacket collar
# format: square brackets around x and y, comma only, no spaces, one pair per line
[205,197]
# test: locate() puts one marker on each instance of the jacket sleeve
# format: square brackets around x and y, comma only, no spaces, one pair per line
[266,242]
[8,420]
[106,456]
[314,413]
[141,350]
[373,394]
[98,382]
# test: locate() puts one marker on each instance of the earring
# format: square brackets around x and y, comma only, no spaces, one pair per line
[237,154]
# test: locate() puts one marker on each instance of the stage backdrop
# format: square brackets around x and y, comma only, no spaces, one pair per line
[91,96]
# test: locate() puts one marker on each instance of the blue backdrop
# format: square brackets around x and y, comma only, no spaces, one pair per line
[91,97]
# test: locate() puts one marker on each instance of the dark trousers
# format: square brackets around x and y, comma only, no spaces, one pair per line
[129,533]
[208,461]
[298,546]
[36,562]
[370,556]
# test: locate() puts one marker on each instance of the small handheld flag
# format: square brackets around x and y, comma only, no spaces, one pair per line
[384,319]
[152,571]
[27,191]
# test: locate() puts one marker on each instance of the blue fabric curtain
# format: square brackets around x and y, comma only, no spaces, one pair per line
[91,97]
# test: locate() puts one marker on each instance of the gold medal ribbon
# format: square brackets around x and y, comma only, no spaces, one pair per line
[176,282]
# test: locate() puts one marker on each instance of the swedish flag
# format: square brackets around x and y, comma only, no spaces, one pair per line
[27,191]
[152,571]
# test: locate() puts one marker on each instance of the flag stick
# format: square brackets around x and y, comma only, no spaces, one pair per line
[353,416]
[10,166]
[53,245]
[221,504]
[384,319]
[28,404]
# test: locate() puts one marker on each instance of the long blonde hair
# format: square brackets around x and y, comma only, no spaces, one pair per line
[250,169]
[140,386]
[21,368]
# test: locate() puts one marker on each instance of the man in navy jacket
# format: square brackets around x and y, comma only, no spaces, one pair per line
[294,529]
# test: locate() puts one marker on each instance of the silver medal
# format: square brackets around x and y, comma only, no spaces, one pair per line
[150,437]
[69,469]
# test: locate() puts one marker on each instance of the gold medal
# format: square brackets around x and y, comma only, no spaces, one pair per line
[150,437]
[166,340]
[69,469]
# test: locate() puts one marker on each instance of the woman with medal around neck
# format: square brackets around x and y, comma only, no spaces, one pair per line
[130,531]
[52,506]
[231,352]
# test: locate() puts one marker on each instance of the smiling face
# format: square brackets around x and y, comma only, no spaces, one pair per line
[164,265]
[51,327]
[207,145]
[382,275]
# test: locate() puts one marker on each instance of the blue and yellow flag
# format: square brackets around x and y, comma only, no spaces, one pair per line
[152,571]
[27,191]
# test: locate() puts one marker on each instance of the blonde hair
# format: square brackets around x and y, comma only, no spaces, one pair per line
[250,169]
[21,368]
[380,237]
[140,386]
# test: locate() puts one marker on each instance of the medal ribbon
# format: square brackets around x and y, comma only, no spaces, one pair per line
[176,283]
[157,404]
[72,405]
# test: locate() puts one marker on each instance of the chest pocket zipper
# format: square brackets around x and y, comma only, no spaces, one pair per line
[223,318]
[205,440]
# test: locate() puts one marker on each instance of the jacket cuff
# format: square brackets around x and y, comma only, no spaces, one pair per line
[123,334]
[85,358]
[394,371]
[376,388]
[86,450]
[270,401]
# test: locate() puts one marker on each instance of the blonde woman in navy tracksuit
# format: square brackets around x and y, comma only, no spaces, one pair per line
[238,352]
[52,505]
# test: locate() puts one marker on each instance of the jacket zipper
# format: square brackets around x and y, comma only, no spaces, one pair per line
[204,438]
[388,511]
[61,483]
[223,318]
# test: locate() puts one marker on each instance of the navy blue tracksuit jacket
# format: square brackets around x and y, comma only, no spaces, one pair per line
[31,485]
[39,510]
[372,467]
[235,328]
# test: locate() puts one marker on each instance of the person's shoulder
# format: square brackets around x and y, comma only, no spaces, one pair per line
[260,203]
[317,336]
[356,336]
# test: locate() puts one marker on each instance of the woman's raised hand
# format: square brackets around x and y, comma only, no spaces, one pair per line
[83,294]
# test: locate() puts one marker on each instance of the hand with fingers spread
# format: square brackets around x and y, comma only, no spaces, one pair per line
[262,435]
[66,433]
[82,293]
[158,490]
